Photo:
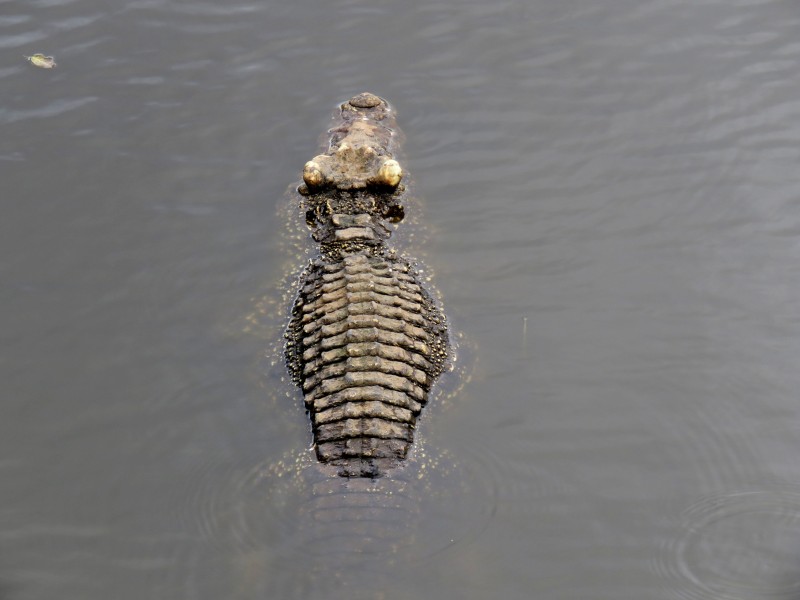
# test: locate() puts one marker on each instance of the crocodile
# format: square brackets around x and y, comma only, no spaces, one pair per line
[366,340]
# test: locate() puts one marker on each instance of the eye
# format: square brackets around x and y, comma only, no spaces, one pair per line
[394,213]
[311,220]
[389,174]
[312,174]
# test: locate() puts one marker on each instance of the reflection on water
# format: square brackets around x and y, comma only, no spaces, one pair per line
[608,193]
[312,531]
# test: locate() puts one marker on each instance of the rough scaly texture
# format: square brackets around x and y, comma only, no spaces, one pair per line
[366,341]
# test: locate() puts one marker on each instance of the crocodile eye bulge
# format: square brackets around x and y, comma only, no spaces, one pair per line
[312,174]
[389,174]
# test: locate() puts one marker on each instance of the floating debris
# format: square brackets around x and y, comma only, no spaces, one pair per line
[42,61]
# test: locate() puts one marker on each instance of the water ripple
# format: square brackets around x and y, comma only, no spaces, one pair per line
[53,109]
[297,508]
[8,20]
[21,39]
[52,3]
[739,545]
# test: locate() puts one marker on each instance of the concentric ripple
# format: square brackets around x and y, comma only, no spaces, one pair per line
[295,507]
[738,546]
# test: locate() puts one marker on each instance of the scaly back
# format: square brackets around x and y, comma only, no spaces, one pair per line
[366,341]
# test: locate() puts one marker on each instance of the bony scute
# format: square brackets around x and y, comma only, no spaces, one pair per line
[366,339]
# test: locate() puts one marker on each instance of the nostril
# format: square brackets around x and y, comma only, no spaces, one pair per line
[365,100]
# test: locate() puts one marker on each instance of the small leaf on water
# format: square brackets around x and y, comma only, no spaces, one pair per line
[42,61]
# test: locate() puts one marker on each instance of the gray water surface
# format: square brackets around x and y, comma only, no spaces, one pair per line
[608,205]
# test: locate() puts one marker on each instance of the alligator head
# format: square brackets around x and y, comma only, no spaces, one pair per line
[359,155]
[352,189]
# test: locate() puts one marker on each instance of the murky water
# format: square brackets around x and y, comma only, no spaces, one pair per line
[609,198]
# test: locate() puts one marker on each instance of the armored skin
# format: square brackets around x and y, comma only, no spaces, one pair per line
[366,341]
